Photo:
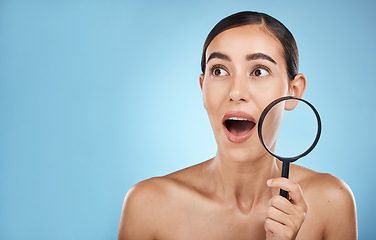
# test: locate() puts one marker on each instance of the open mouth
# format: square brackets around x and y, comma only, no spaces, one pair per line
[238,126]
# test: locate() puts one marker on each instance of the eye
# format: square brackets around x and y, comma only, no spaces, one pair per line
[217,71]
[260,72]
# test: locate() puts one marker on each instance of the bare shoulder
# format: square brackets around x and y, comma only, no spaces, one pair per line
[323,185]
[331,200]
[138,213]
[148,203]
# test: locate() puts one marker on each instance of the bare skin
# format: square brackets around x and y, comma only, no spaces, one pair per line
[190,204]
[235,195]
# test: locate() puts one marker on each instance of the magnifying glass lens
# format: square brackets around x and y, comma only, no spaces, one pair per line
[289,128]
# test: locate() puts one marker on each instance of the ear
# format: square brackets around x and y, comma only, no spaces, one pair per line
[201,80]
[296,89]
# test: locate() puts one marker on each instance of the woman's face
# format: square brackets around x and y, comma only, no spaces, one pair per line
[245,71]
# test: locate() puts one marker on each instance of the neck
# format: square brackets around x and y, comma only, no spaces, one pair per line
[244,183]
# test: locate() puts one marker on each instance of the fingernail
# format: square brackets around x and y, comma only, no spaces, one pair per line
[269,182]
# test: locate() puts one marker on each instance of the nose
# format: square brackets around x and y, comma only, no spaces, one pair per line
[239,90]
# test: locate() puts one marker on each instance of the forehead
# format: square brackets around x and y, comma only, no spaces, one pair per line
[248,39]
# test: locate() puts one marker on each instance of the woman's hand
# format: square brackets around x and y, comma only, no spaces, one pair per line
[285,217]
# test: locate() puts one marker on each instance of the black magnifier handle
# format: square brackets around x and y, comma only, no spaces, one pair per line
[285,174]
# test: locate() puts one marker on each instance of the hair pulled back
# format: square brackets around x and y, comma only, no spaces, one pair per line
[274,26]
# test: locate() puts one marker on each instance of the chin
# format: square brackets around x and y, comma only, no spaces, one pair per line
[247,152]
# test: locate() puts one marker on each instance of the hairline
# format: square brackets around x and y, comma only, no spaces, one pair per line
[271,26]
[262,24]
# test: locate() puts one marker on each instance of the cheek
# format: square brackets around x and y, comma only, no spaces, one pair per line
[212,97]
[271,124]
[210,105]
[205,98]
[279,89]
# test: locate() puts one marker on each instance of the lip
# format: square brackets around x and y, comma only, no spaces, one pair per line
[238,138]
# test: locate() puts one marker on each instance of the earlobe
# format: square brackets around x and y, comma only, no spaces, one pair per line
[296,89]
[201,80]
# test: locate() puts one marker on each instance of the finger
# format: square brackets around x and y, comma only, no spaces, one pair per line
[282,204]
[273,226]
[293,189]
[277,229]
[290,215]
[277,215]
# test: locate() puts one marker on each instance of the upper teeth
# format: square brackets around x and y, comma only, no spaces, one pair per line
[238,119]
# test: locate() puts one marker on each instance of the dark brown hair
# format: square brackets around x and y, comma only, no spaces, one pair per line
[274,26]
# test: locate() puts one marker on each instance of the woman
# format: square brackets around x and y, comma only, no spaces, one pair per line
[249,59]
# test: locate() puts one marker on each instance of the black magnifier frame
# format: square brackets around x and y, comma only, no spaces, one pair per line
[287,160]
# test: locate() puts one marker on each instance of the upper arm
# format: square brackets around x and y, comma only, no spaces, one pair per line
[137,216]
[340,210]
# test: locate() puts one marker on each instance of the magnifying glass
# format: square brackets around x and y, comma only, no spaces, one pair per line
[297,126]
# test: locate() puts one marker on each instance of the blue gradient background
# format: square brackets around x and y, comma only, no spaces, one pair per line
[96,96]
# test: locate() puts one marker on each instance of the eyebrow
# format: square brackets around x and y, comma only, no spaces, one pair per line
[253,56]
[260,55]
[218,55]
